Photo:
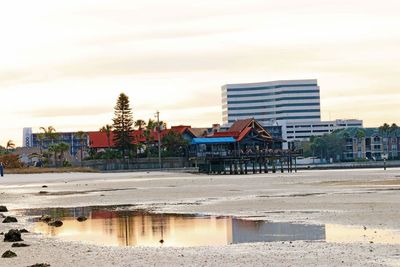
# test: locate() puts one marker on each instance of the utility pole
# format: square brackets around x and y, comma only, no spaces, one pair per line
[159,139]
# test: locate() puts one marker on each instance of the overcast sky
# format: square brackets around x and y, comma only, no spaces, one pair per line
[63,63]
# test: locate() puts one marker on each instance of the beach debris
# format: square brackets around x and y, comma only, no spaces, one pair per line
[10,219]
[365,228]
[81,219]
[55,223]
[14,235]
[19,245]
[3,209]
[9,254]
[44,186]
[2,215]
[43,192]
[40,265]
[45,218]
[23,231]
[162,241]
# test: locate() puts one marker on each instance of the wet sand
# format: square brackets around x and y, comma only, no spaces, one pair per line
[352,198]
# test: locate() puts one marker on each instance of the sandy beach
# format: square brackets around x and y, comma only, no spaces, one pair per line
[338,199]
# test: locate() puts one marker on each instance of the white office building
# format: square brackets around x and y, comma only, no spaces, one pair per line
[27,137]
[292,101]
[292,104]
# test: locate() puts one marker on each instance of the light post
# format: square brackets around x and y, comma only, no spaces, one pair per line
[159,138]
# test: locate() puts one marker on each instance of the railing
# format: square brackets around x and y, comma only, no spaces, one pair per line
[244,154]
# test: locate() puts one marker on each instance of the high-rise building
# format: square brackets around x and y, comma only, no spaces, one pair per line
[292,105]
[291,100]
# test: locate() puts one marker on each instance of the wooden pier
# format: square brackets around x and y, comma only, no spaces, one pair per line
[248,163]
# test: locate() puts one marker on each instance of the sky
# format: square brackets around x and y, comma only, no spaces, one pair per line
[64,63]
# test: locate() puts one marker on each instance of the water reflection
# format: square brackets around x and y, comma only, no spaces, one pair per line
[108,226]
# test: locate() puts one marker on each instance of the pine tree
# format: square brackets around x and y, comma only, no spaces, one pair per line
[123,123]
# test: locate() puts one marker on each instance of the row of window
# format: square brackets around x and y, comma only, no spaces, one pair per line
[272,113]
[276,93]
[270,100]
[275,106]
[269,87]
[285,118]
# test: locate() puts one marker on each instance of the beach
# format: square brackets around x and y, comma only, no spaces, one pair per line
[359,200]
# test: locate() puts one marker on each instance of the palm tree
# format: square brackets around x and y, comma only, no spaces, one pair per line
[10,145]
[384,130]
[393,136]
[50,133]
[82,137]
[54,149]
[40,137]
[151,125]
[107,129]
[140,124]
[62,148]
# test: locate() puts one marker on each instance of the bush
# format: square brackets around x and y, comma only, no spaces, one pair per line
[11,161]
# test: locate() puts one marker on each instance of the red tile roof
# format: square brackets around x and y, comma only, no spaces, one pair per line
[99,139]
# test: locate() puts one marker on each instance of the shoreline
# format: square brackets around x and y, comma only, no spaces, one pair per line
[368,197]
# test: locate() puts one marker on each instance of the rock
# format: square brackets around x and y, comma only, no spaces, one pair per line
[162,241]
[23,231]
[9,254]
[3,209]
[45,218]
[10,219]
[81,219]
[43,192]
[44,186]
[13,236]
[55,223]
[40,265]
[19,245]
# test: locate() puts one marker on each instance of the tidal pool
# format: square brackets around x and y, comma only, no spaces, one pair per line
[121,226]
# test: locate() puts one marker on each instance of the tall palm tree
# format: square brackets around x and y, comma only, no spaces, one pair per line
[62,148]
[151,125]
[54,149]
[140,124]
[82,138]
[10,145]
[107,129]
[40,138]
[384,130]
[50,133]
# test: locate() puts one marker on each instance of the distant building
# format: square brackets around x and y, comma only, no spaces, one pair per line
[291,100]
[27,137]
[288,108]
[70,138]
[371,144]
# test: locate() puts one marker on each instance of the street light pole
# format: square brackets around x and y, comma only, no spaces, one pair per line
[159,139]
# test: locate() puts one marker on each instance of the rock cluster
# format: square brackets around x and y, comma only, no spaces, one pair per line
[13,235]
[3,209]
[9,254]
[10,219]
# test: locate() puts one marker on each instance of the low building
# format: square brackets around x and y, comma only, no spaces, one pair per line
[100,140]
[75,142]
[371,144]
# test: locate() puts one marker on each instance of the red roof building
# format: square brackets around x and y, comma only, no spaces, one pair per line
[98,140]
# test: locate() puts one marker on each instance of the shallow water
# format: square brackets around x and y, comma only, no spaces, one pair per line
[122,226]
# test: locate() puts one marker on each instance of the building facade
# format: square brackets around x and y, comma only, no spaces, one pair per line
[291,100]
[371,144]
[292,105]
[71,138]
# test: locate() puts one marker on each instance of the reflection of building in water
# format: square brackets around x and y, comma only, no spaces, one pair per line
[260,231]
[137,228]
